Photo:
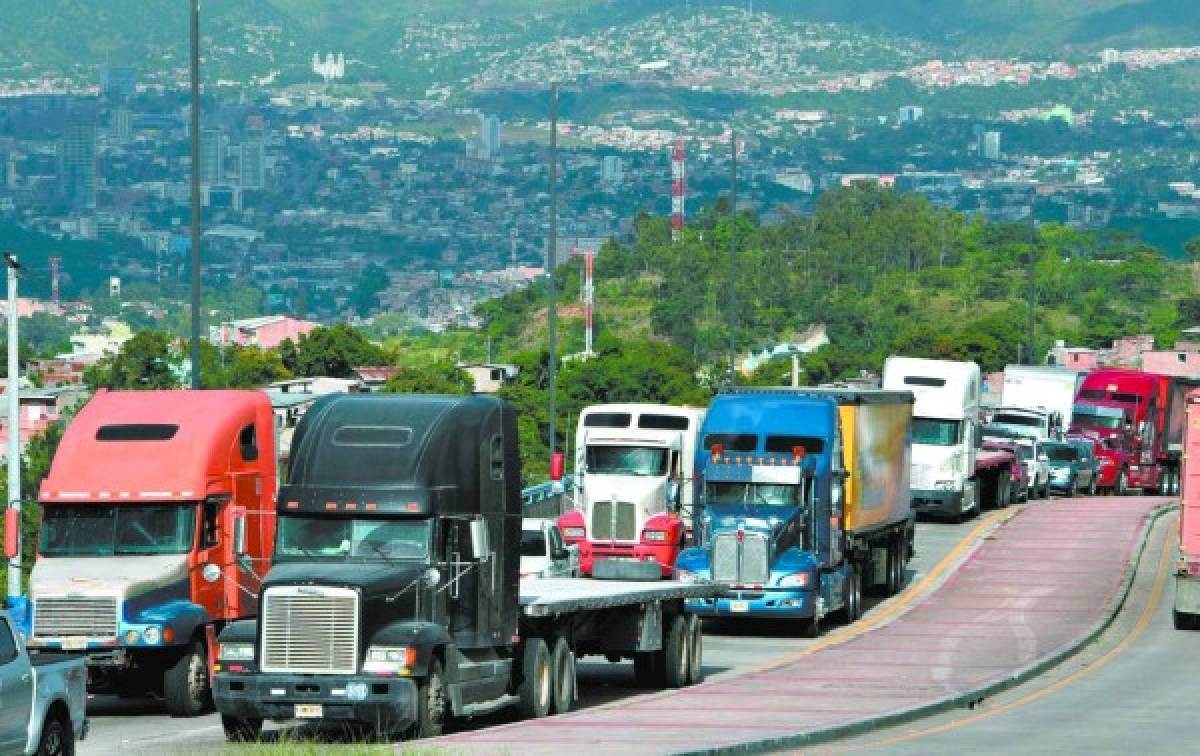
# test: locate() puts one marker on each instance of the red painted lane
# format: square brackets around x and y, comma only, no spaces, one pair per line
[1037,585]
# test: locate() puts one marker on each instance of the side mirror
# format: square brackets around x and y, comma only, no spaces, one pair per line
[480,548]
[12,532]
[239,532]
[673,493]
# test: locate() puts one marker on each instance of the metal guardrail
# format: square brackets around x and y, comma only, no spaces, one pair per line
[549,499]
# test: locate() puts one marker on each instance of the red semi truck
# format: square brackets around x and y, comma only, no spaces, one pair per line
[1143,415]
[158,519]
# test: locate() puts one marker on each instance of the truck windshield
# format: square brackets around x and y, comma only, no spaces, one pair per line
[1061,453]
[87,530]
[1026,420]
[927,430]
[627,460]
[1096,420]
[314,537]
[757,494]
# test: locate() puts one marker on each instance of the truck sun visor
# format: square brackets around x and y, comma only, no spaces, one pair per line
[137,432]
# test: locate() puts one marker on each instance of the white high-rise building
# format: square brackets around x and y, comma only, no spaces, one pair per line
[212,157]
[489,137]
[252,165]
[991,145]
[612,170]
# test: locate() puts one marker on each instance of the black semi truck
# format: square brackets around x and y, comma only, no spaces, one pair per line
[394,599]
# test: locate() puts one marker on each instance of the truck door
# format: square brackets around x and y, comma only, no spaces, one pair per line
[16,691]
[837,497]
[467,602]
[211,596]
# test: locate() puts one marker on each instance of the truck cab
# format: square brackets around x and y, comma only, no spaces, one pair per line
[1143,400]
[634,488]
[1113,429]
[156,524]
[1036,423]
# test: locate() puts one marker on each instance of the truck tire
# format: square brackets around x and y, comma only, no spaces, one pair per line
[563,662]
[895,567]
[57,738]
[186,685]
[695,650]
[1046,489]
[1092,486]
[648,669]
[536,688]
[241,730]
[676,655]
[431,704]
[1070,490]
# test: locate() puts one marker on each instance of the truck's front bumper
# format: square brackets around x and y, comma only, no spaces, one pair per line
[937,502]
[389,703]
[664,554]
[768,602]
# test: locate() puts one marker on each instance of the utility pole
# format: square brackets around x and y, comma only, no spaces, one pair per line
[13,390]
[551,263]
[733,312]
[195,65]
[1032,294]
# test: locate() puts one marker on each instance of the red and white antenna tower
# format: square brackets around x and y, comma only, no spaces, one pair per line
[677,188]
[55,263]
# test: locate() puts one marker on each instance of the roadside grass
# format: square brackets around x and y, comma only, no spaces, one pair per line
[322,741]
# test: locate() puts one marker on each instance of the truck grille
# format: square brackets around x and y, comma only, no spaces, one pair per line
[75,617]
[310,630]
[744,562]
[614,521]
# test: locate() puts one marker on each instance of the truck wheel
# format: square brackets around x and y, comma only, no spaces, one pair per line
[536,686]
[239,730]
[695,650]
[895,568]
[56,739]
[563,662]
[1092,487]
[185,683]
[1046,489]
[648,669]
[431,703]
[676,657]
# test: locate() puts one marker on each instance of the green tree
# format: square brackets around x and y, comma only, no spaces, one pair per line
[332,352]
[438,378]
[143,363]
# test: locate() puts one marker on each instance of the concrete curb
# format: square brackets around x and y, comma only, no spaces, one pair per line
[964,700]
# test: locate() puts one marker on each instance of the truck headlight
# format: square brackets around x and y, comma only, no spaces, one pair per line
[795,580]
[389,660]
[152,635]
[656,536]
[237,652]
[573,533]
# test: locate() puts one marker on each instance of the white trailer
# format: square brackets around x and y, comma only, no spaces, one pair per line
[1046,388]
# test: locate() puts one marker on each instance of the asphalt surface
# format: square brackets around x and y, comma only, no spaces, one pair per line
[140,726]
[1132,691]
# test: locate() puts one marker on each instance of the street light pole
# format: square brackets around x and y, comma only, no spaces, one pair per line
[13,390]
[733,313]
[195,71]
[1031,297]
[551,264]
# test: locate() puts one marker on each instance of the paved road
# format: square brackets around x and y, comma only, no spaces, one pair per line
[1133,691]
[140,726]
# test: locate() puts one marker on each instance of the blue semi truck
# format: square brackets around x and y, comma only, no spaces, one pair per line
[804,502]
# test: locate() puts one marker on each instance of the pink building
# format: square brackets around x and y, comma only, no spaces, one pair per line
[1182,361]
[266,332]
[1076,358]
[39,408]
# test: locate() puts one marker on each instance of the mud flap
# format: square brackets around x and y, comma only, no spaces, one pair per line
[210,646]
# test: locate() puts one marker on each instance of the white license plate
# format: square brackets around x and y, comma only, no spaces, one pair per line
[739,606]
[74,644]
[309,711]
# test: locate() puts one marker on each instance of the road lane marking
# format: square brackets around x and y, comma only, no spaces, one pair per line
[902,601]
[1147,616]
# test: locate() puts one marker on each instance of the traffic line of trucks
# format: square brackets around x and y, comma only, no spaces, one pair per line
[382,584]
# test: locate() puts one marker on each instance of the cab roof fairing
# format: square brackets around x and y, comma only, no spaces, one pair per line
[185,467]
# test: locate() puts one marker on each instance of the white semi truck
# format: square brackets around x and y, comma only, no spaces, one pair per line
[634,473]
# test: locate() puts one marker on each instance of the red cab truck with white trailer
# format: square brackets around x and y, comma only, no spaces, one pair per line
[1154,406]
[158,518]
[634,471]
[1187,568]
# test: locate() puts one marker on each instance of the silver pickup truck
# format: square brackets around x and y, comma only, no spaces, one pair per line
[42,698]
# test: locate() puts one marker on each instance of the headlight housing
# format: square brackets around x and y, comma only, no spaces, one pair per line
[389,660]
[237,652]
[152,635]
[795,580]
[655,536]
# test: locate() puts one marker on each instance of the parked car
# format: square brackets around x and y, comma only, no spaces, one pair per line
[1033,459]
[1073,467]
[42,698]
[1020,474]
[543,552]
